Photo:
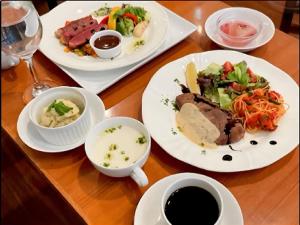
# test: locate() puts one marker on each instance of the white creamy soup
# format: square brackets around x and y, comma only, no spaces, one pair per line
[119,146]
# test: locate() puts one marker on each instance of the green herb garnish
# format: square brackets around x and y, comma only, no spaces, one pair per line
[176,81]
[59,107]
[126,158]
[139,43]
[165,101]
[122,152]
[173,131]
[108,156]
[112,147]
[110,130]
[106,164]
[175,106]
[141,140]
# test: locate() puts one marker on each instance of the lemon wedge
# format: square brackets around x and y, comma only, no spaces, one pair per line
[191,78]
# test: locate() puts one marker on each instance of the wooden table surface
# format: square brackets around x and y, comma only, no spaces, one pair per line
[267,196]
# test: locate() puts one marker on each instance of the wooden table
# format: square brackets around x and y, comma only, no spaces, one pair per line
[267,196]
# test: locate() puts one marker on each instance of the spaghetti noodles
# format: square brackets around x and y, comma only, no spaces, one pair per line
[260,109]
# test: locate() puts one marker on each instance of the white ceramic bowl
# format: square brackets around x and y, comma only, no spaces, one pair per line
[107,53]
[70,133]
[134,170]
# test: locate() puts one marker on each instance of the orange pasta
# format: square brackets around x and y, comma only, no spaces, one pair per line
[260,109]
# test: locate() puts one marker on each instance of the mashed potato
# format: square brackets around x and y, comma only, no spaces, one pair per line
[59,113]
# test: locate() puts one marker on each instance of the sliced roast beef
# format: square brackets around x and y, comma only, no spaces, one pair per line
[184,98]
[237,132]
[74,25]
[231,130]
[85,35]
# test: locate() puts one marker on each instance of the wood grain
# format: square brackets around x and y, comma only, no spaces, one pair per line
[266,196]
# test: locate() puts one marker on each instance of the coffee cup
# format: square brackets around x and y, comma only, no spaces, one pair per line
[119,147]
[191,201]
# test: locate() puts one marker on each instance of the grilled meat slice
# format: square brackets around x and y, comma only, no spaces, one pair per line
[231,130]
[85,35]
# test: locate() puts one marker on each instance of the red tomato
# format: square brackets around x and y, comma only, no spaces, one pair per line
[237,87]
[253,78]
[104,21]
[274,95]
[228,67]
[132,17]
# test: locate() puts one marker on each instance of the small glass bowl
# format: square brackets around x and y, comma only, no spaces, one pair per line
[242,17]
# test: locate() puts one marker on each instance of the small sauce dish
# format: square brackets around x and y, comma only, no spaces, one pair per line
[238,28]
[107,43]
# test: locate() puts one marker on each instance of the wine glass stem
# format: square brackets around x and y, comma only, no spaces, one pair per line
[38,87]
[31,69]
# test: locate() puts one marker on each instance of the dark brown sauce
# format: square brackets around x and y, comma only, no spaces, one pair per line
[106,42]
[227,158]
[273,142]
[231,148]
[253,142]
[191,205]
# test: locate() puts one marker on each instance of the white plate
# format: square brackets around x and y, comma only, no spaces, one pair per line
[50,46]
[96,82]
[160,119]
[30,136]
[148,208]
[268,29]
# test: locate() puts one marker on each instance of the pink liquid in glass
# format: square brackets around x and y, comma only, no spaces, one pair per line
[238,32]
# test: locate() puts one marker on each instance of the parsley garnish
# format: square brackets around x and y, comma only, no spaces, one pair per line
[106,164]
[141,140]
[59,107]
[110,130]
[112,147]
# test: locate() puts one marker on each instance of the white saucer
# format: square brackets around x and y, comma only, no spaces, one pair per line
[34,140]
[268,29]
[148,208]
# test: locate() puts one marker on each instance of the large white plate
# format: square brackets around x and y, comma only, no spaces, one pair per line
[268,29]
[159,117]
[154,35]
[98,81]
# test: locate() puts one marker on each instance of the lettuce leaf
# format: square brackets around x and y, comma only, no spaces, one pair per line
[212,68]
[239,74]
[225,100]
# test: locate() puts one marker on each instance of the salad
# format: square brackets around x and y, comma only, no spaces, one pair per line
[236,88]
[127,19]
[223,83]
[130,21]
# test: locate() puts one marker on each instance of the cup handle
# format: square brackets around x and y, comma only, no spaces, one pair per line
[139,176]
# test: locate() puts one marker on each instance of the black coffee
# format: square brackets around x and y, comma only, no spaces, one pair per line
[191,205]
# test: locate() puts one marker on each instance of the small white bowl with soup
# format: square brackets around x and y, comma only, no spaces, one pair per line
[61,115]
[119,147]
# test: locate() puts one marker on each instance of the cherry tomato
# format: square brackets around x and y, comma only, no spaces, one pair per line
[227,67]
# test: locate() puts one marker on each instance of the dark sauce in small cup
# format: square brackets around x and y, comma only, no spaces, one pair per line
[106,42]
[191,205]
